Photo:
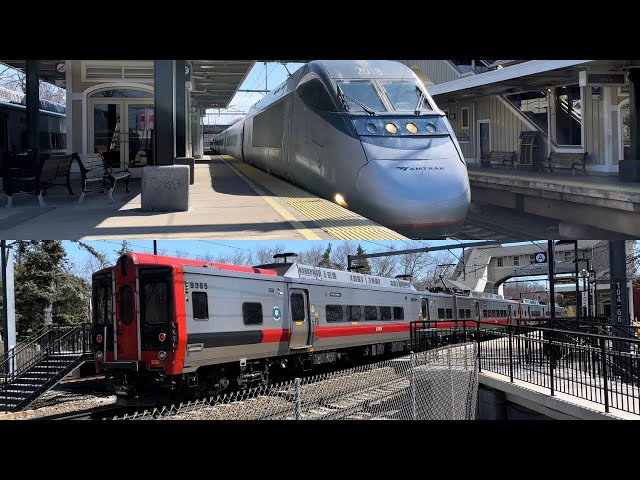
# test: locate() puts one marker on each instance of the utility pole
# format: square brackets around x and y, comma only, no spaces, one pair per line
[155,247]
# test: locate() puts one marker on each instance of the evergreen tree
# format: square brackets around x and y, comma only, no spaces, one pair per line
[363,262]
[325,261]
[124,248]
[45,291]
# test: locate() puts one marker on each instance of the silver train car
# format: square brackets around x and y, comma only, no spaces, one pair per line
[179,325]
[364,134]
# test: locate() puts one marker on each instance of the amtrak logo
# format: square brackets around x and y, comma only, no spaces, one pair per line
[276,313]
[404,169]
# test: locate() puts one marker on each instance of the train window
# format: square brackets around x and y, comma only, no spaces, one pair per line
[404,95]
[43,140]
[370,313]
[252,313]
[449,313]
[424,308]
[155,302]
[200,305]
[385,313]
[365,93]
[468,313]
[126,305]
[297,307]
[354,313]
[484,313]
[398,313]
[461,313]
[102,302]
[314,94]
[333,313]
[441,313]
[267,127]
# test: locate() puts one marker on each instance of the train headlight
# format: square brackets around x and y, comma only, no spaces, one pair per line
[391,128]
[371,128]
[99,355]
[431,128]
[162,355]
[411,128]
[339,199]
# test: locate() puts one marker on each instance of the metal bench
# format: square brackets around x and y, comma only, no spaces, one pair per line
[562,160]
[502,159]
[23,174]
[97,173]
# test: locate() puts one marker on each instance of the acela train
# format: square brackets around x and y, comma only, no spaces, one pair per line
[178,325]
[365,134]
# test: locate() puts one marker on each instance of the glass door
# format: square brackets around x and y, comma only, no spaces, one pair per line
[107,130]
[138,134]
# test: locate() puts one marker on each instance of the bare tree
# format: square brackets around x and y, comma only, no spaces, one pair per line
[312,256]
[17,80]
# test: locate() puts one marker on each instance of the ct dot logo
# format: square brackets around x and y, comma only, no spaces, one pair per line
[276,313]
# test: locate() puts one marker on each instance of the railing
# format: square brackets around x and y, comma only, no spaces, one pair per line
[602,368]
[55,339]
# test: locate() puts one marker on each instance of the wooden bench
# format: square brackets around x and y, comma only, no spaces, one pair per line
[562,160]
[502,159]
[20,175]
[101,176]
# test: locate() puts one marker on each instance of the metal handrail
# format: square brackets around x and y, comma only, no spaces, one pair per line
[32,341]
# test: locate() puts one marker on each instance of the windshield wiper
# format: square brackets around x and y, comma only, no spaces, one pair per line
[344,95]
[418,109]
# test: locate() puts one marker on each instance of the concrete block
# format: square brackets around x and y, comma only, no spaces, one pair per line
[165,188]
[190,161]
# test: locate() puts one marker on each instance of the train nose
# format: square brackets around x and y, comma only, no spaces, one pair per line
[417,198]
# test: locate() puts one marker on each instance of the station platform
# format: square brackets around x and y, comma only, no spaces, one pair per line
[597,201]
[228,200]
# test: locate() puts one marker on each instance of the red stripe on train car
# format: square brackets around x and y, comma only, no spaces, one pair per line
[349,330]
[270,336]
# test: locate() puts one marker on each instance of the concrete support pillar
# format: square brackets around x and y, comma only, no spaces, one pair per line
[33,103]
[181,119]
[629,170]
[164,113]
[199,140]
[8,301]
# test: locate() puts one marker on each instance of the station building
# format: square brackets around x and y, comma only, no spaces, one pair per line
[486,269]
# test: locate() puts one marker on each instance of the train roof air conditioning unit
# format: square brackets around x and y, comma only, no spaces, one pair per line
[602,79]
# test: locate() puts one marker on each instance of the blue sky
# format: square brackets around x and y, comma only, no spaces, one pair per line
[275,73]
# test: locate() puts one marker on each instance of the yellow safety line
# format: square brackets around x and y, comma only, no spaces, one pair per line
[305,232]
[338,222]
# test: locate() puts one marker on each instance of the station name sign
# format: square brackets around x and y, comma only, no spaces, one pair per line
[602,79]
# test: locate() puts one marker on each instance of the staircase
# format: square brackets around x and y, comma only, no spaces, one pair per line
[41,363]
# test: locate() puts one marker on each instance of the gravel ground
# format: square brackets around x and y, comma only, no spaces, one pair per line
[55,402]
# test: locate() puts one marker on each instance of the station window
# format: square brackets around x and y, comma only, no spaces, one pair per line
[500,261]
[461,313]
[354,313]
[568,116]
[449,313]
[532,258]
[464,113]
[370,313]
[567,256]
[516,260]
[385,313]
[200,305]
[441,313]
[398,313]
[252,313]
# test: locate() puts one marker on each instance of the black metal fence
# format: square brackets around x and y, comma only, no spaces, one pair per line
[601,367]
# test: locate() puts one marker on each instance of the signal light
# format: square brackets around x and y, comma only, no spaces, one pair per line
[99,338]
[162,337]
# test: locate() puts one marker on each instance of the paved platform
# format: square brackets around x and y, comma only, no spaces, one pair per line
[597,201]
[226,201]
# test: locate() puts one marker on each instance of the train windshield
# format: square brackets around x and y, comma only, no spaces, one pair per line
[363,96]
[102,293]
[404,95]
[155,295]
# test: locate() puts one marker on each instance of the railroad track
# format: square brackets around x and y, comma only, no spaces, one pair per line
[96,413]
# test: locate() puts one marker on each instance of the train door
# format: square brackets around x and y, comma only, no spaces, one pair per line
[126,324]
[425,309]
[478,318]
[299,315]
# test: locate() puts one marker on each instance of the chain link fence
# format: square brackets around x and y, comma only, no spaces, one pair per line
[439,384]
